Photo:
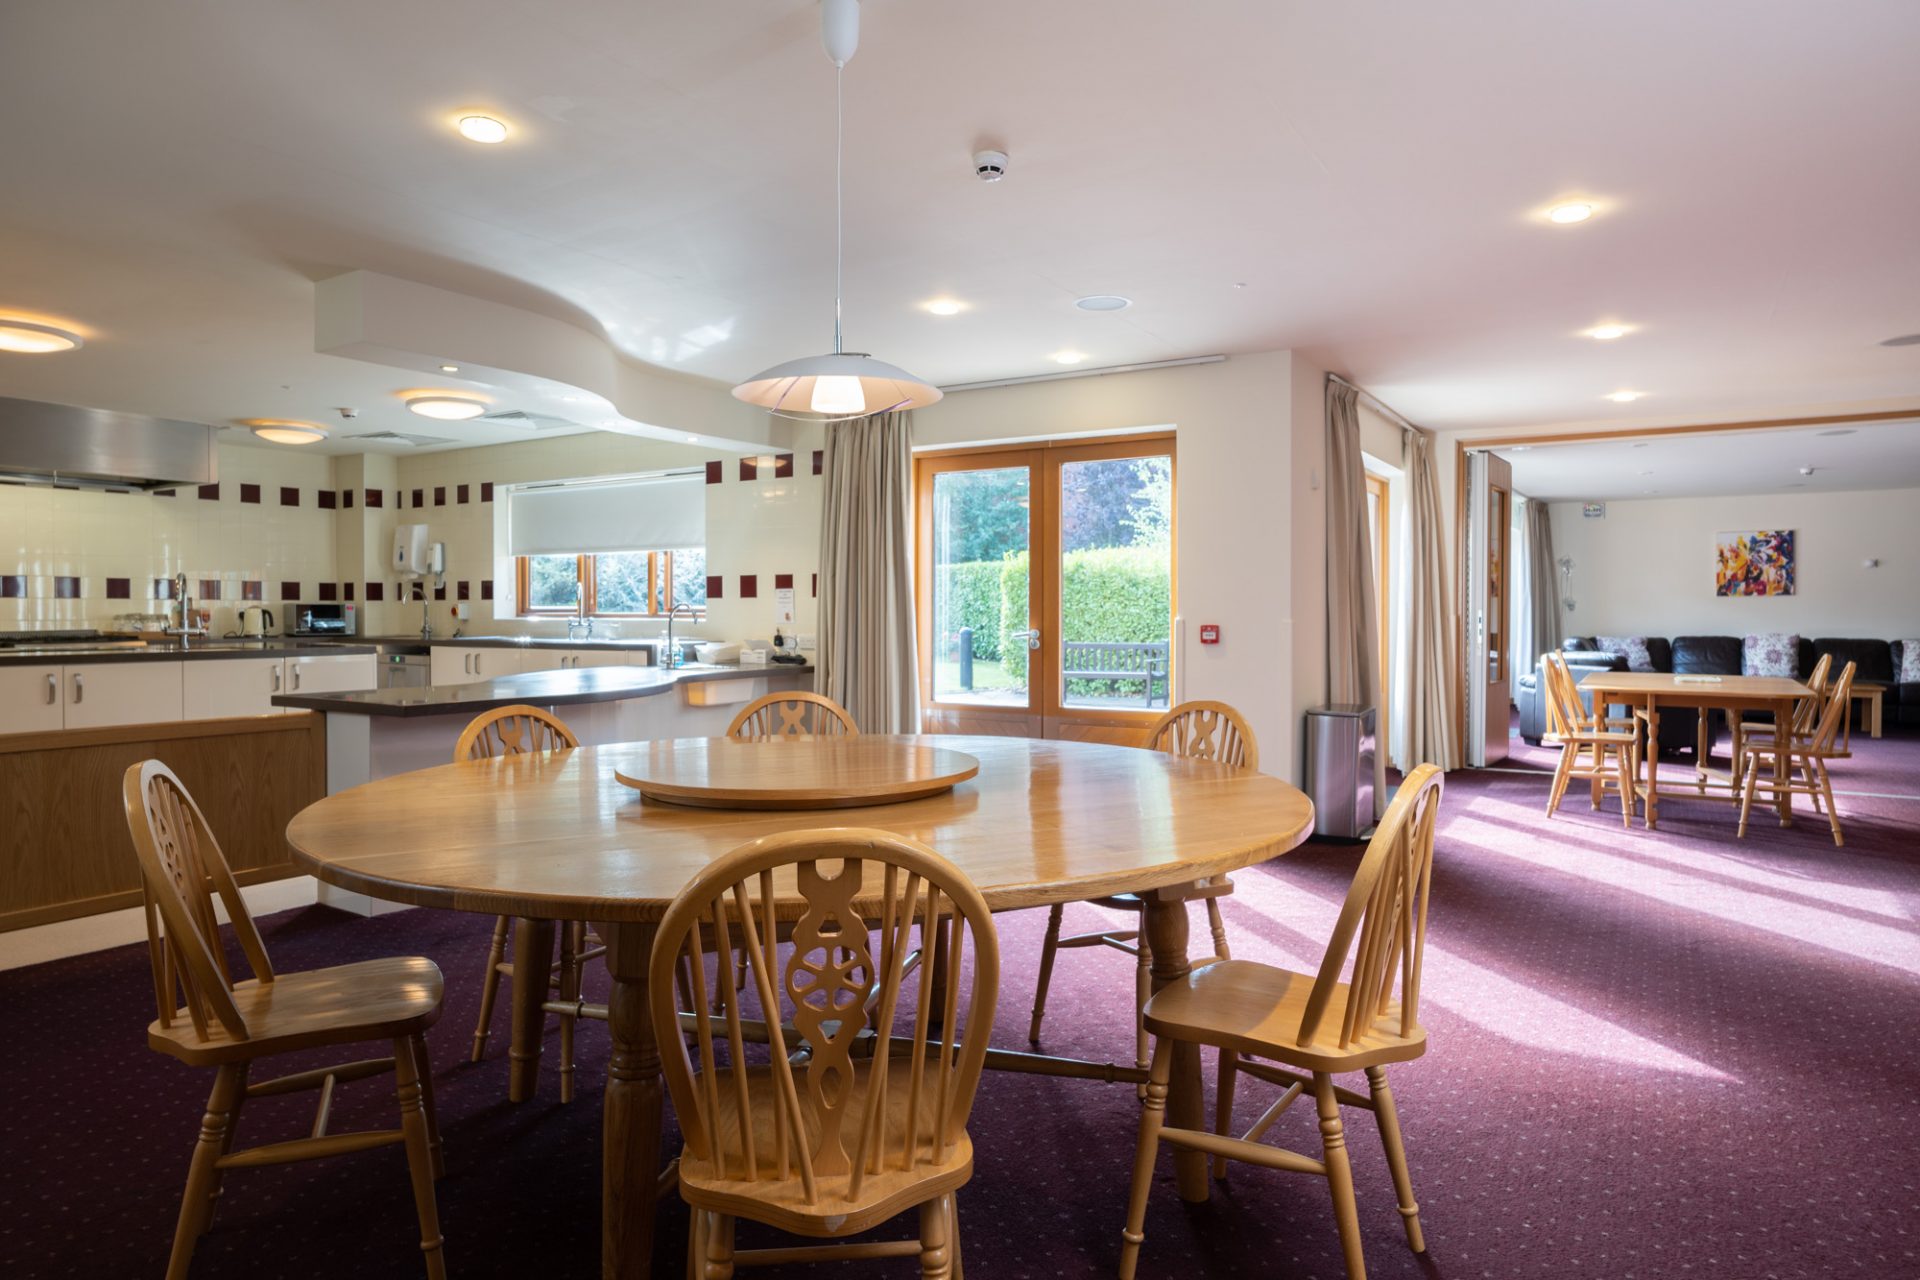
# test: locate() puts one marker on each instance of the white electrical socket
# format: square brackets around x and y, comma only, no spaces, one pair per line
[805,641]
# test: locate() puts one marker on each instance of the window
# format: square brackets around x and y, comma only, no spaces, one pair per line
[632,584]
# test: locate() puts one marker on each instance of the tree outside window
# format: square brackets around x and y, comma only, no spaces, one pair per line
[635,584]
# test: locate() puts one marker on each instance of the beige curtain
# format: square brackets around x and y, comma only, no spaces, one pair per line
[1543,586]
[867,660]
[1432,727]
[1353,624]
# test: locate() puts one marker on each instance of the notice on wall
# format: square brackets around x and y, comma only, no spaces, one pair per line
[783,607]
[1594,510]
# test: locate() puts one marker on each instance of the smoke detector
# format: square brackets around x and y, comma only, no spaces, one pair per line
[989,166]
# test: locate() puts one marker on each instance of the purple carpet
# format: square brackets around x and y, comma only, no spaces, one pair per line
[1652,1055]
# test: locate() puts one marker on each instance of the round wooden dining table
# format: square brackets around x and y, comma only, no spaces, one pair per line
[546,838]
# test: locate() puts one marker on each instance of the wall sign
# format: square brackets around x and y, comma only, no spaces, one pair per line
[1594,510]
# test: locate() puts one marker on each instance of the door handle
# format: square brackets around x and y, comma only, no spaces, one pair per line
[53,688]
[1032,637]
[79,689]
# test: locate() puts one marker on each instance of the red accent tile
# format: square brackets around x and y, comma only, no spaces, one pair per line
[486,491]
[65,588]
[376,591]
[346,499]
[209,588]
[253,590]
[210,492]
[250,493]
[716,472]
[749,468]
[749,586]
[463,591]
[460,494]
[119,588]
[13,586]
[783,582]
[162,589]
[376,498]
[816,586]
[714,591]
[289,591]
[329,592]
[289,496]
[346,591]
[486,588]
[783,466]
[440,495]
[419,499]
[328,500]
[819,461]
[440,591]
[165,493]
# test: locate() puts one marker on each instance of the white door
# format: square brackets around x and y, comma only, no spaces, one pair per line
[113,693]
[337,673]
[216,688]
[1489,687]
[30,700]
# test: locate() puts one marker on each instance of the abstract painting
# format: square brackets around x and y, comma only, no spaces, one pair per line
[1754,564]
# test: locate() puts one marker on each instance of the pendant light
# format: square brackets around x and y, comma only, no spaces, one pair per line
[844,384]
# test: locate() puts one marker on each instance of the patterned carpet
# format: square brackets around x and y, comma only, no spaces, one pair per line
[1653,1055]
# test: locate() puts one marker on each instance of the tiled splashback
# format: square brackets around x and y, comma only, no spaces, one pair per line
[77,557]
[283,527]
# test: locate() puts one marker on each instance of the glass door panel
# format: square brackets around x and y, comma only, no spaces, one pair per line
[981,597]
[1115,573]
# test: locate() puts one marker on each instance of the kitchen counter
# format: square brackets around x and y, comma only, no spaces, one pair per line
[412,643]
[173,651]
[540,688]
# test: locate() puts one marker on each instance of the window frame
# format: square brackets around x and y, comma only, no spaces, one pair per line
[659,585]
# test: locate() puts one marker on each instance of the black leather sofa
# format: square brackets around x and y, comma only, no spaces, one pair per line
[1876,662]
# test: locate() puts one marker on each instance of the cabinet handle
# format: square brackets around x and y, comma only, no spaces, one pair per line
[467,659]
[276,679]
[79,689]
[53,688]
[296,679]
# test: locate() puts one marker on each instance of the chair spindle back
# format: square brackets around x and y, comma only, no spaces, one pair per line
[1387,907]
[791,715]
[1808,712]
[512,731]
[1202,730]
[1565,712]
[832,976]
[1839,705]
[181,868]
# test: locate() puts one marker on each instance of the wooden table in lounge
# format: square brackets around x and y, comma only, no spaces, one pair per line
[1649,691]
[560,838]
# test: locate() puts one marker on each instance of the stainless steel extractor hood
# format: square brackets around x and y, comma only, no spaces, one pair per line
[96,448]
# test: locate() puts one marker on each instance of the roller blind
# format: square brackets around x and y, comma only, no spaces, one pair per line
[647,513]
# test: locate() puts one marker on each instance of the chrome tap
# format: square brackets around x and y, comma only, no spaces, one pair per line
[673,652]
[426,615]
[184,603]
[581,623]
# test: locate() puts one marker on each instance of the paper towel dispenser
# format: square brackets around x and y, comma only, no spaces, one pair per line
[416,554]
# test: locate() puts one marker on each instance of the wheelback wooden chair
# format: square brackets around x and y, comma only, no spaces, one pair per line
[1806,714]
[1801,758]
[511,731]
[207,1018]
[1197,731]
[1308,1029]
[792,714]
[833,1121]
[1614,743]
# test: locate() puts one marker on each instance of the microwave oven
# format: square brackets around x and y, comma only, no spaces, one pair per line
[322,620]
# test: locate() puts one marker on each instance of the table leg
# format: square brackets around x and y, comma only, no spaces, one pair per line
[1782,760]
[532,968]
[1875,704]
[1167,936]
[634,1110]
[1653,761]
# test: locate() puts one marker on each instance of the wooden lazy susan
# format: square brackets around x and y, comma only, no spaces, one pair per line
[792,772]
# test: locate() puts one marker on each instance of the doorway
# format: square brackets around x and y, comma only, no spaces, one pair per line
[1045,588]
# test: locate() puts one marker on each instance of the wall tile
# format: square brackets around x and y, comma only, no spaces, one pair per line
[749,469]
[119,588]
[440,591]
[66,588]
[486,491]
[816,586]
[783,466]
[486,588]
[289,591]
[749,586]
[783,582]
[289,495]
[210,493]
[419,499]
[439,495]
[329,592]
[250,494]
[166,493]
[715,589]
[251,590]
[13,586]
[463,590]
[163,588]
[376,592]
[327,499]
[346,499]
[460,494]
[209,589]
[819,461]
[716,471]
[376,498]
[346,591]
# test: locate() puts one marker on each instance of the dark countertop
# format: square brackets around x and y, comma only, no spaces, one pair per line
[170,651]
[542,688]
[412,643]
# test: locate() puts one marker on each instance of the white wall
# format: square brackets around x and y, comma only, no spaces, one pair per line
[1647,568]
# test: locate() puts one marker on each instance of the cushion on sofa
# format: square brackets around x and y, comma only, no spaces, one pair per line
[1872,659]
[1770,654]
[1706,655]
[1909,663]
[1633,648]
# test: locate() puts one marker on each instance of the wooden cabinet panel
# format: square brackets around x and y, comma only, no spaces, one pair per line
[30,699]
[99,695]
[216,689]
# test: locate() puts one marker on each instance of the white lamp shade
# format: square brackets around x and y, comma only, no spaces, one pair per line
[824,386]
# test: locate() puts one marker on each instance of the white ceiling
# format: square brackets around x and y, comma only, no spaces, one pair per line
[1883,455]
[176,177]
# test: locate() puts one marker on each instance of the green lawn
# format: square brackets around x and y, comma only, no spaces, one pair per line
[987,677]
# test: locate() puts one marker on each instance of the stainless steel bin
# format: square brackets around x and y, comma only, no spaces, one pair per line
[1340,748]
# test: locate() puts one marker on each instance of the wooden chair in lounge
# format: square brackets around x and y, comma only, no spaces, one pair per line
[1614,743]
[1806,713]
[1197,731]
[792,714]
[208,1019]
[510,731]
[829,1130]
[1806,759]
[1299,1031]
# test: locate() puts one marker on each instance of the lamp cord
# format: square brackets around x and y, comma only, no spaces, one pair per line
[839,197]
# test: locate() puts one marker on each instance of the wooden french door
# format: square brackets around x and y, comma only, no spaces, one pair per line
[1045,589]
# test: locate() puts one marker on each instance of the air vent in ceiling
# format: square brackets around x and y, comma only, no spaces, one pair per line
[532,421]
[405,439]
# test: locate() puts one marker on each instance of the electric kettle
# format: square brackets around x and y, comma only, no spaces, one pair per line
[255,620]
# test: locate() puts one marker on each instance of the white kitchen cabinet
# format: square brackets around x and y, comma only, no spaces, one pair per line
[538,659]
[100,694]
[333,673]
[464,664]
[215,688]
[31,700]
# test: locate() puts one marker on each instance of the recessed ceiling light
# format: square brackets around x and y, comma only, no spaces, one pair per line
[286,430]
[1103,302]
[1646,473]
[30,338]
[478,128]
[1068,357]
[1904,340]
[1575,211]
[693,439]
[1518,448]
[944,307]
[449,368]
[1838,431]
[447,408]
[1608,332]
[1641,445]
[1623,397]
